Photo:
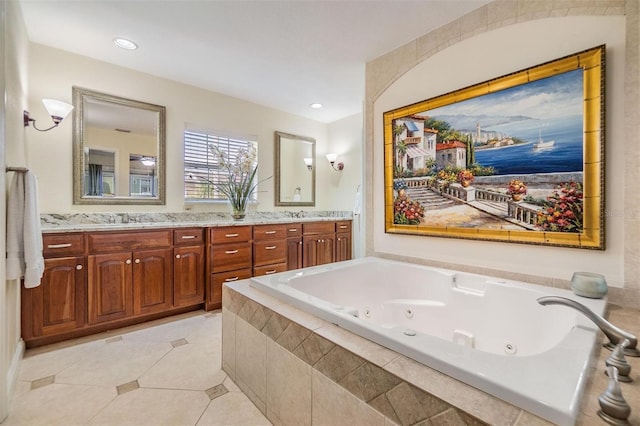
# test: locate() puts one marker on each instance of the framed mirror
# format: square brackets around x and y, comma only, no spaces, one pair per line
[295,170]
[118,150]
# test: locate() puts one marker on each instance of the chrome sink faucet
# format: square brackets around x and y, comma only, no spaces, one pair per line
[613,333]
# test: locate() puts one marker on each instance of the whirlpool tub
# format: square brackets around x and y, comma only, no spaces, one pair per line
[487,332]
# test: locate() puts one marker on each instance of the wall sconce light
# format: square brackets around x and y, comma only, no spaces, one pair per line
[148,161]
[308,161]
[332,157]
[58,111]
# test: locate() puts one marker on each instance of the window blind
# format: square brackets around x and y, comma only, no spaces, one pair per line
[201,170]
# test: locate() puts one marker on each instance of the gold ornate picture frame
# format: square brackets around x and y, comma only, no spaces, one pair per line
[519,158]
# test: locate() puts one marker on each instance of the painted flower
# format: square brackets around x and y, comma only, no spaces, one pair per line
[516,187]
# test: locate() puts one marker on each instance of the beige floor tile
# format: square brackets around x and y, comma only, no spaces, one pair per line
[171,331]
[59,404]
[153,407]
[36,365]
[114,364]
[232,408]
[191,367]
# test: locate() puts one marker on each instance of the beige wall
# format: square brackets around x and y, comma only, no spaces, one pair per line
[52,73]
[503,37]
[13,87]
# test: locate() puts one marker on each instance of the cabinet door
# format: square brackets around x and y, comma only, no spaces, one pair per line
[294,253]
[57,305]
[110,287]
[188,275]
[318,249]
[343,246]
[152,279]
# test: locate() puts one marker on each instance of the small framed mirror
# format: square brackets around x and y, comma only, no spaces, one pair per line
[295,170]
[118,150]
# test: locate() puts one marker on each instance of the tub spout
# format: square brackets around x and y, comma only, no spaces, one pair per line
[613,333]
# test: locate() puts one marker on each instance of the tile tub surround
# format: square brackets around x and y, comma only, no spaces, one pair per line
[52,222]
[281,356]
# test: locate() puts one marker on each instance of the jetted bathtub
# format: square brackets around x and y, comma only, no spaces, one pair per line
[487,332]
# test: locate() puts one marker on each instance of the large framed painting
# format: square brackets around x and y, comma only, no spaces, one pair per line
[519,158]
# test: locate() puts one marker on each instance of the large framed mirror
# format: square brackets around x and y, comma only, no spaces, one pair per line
[295,170]
[118,150]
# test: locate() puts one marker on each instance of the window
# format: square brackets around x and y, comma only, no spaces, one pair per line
[201,170]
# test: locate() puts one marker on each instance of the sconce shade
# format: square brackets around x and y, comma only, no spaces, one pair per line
[148,161]
[308,161]
[58,110]
[332,157]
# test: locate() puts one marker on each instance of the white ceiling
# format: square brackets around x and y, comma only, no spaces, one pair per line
[281,54]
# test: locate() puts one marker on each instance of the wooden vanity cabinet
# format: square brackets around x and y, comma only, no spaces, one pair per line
[318,241]
[130,274]
[188,266]
[58,304]
[343,241]
[229,254]
[269,249]
[294,246]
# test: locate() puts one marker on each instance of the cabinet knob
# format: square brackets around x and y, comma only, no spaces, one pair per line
[128,262]
[137,260]
[177,256]
[78,267]
[300,242]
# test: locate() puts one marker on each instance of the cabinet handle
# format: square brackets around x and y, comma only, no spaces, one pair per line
[188,237]
[270,232]
[231,235]
[270,247]
[293,229]
[177,256]
[231,252]
[137,260]
[270,272]
[78,267]
[55,246]
[228,280]
[128,262]
[343,226]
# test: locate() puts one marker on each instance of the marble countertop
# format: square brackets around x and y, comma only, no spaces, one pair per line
[52,223]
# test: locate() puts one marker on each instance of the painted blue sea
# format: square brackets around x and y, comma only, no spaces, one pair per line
[565,155]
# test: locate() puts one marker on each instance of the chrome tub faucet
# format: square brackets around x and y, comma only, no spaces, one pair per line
[613,333]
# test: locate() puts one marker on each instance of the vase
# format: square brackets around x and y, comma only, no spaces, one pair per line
[517,197]
[238,214]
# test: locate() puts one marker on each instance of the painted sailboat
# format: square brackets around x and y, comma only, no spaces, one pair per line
[542,145]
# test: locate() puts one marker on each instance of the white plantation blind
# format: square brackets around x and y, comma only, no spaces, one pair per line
[201,170]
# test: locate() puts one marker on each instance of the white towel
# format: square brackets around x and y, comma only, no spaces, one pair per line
[24,237]
[357,203]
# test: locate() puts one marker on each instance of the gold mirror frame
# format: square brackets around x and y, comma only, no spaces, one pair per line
[295,168]
[591,234]
[81,97]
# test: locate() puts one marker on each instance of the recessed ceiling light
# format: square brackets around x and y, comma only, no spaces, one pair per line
[316,105]
[125,44]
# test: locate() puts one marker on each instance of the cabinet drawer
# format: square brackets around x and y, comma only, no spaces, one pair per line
[318,228]
[229,234]
[343,226]
[227,257]
[188,236]
[269,269]
[120,241]
[57,245]
[269,232]
[268,252]
[217,280]
[294,230]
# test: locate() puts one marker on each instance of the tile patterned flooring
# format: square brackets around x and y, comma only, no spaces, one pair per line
[167,372]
